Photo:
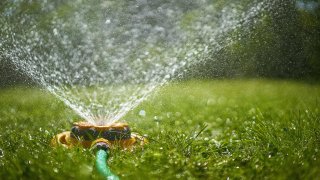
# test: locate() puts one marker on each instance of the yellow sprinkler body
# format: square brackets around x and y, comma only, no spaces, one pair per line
[88,135]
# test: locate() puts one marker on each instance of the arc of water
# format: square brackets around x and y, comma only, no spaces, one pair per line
[190,52]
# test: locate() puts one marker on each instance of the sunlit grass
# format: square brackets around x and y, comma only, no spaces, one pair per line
[249,129]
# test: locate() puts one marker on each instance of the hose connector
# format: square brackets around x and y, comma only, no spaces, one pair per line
[101,144]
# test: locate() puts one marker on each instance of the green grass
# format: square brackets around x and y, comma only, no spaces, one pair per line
[241,129]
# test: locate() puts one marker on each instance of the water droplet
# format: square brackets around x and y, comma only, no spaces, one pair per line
[108,21]
[55,170]
[142,113]
[55,31]
[1,153]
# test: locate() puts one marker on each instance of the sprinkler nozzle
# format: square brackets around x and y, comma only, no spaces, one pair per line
[112,132]
[88,135]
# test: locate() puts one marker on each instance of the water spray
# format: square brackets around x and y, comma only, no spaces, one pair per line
[100,138]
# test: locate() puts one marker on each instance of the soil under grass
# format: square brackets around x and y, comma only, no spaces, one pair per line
[237,129]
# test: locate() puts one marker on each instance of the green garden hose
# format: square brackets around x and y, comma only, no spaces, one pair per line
[101,164]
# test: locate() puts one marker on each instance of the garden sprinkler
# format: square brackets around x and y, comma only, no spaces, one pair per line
[101,138]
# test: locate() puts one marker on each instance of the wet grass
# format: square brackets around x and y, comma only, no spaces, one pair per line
[241,129]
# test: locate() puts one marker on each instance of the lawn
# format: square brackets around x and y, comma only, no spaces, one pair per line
[237,129]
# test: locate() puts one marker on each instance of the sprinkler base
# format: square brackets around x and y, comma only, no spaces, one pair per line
[88,135]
